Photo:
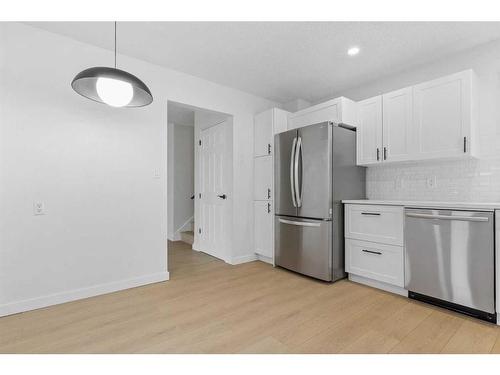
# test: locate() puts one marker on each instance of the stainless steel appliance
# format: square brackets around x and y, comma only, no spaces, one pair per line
[450,260]
[315,168]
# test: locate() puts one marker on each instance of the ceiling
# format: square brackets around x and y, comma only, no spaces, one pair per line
[283,61]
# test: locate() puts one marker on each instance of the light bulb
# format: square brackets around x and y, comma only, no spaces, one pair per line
[353,51]
[114,92]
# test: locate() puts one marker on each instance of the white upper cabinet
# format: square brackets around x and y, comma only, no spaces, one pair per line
[266,124]
[432,120]
[397,130]
[340,110]
[443,116]
[263,133]
[369,131]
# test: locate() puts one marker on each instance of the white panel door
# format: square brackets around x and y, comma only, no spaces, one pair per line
[263,133]
[442,116]
[215,202]
[398,138]
[369,131]
[263,178]
[263,226]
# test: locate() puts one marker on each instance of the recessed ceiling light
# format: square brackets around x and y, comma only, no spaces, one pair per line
[353,51]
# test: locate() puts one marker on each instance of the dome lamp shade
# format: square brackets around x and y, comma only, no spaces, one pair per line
[112,86]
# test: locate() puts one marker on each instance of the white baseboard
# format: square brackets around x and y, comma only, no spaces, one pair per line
[174,237]
[242,259]
[73,295]
[379,285]
[265,259]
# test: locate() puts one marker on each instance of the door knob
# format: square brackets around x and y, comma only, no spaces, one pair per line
[223,196]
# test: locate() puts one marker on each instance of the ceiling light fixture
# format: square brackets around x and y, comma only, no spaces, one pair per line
[353,51]
[111,86]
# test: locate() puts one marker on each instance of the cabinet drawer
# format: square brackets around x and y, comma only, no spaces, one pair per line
[383,224]
[375,261]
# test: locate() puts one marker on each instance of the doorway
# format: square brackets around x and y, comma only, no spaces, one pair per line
[199,184]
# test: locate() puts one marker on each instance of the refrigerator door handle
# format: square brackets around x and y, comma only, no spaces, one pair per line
[298,187]
[292,175]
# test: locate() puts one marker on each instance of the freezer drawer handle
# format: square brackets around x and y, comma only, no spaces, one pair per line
[446,217]
[371,252]
[299,223]
[371,213]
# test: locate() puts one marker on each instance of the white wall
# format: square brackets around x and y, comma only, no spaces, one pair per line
[466,180]
[180,181]
[93,166]
[183,174]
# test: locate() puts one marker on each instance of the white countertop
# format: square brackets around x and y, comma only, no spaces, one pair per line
[481,206]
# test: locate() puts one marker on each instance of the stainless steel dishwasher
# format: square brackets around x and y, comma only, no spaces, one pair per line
[450,260]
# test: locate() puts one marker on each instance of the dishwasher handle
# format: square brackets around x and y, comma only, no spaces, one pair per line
[447,217]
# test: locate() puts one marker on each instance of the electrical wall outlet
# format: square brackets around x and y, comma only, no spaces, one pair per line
[38,208]
[431,182]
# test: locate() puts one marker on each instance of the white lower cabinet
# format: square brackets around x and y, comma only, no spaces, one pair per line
[263,226]
[374,243]
[375,261]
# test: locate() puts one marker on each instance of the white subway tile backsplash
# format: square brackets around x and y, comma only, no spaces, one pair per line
[475,180]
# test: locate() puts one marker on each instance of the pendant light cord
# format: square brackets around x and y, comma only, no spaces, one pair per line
[115,44]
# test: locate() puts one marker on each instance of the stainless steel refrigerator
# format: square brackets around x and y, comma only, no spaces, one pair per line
[315,169]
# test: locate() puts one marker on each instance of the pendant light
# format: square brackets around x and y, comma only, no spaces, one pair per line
[111,86]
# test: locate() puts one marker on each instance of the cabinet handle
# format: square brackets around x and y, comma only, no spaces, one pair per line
[378,154]
[269,208]
[371,213]
[385,153]
[269,149]
[465,144]
[371,252]
[268,193]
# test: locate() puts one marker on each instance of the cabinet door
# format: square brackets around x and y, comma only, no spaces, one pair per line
[369,131]
[263,133]
[327,111]
[263,181]
[398,139]
[442,116]
[280,121]
[263,226]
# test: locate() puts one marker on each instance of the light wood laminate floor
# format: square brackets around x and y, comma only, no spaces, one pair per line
[211,307]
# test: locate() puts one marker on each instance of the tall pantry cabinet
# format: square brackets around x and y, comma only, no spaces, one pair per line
[266,125]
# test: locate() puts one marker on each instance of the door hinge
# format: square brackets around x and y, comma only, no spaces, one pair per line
[199,142]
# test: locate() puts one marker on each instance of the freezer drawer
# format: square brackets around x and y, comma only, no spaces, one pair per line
[304,246]
[375,261]
[450,256]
